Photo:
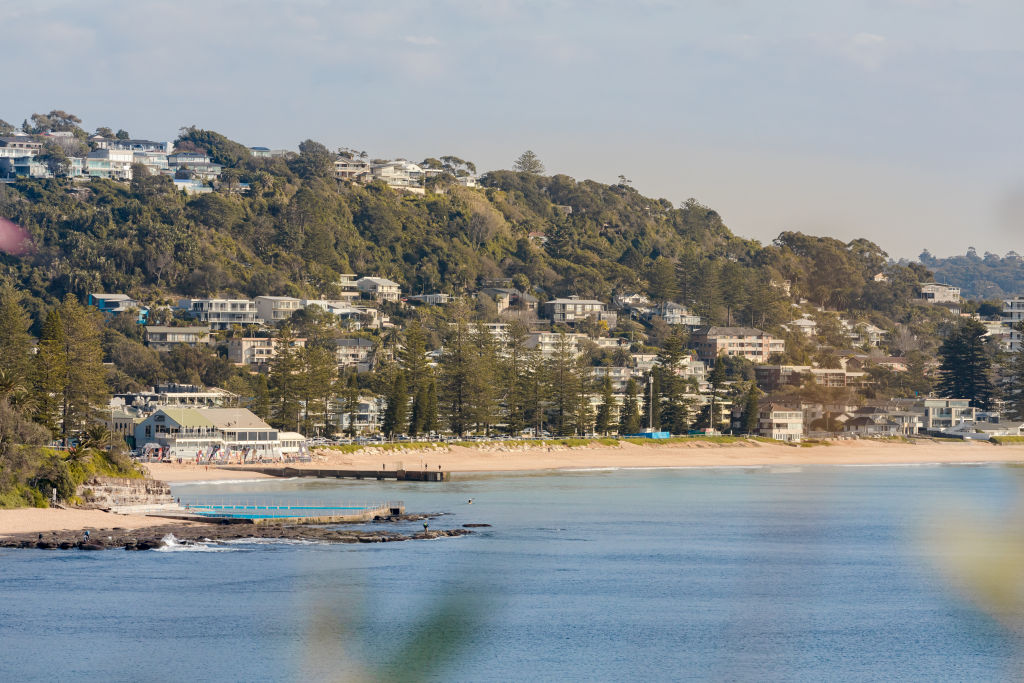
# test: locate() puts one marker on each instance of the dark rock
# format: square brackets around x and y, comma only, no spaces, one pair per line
[474,526]
[46,545]
[90,546]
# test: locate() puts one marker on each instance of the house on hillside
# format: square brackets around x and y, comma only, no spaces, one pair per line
[575,310]
[748,342]
[117,303]
[434,299]
[354,353]
[674,314]
[258,352]
[379,289]
[276,309]
[221,314]
[19,146]
[164,338]
[350,169]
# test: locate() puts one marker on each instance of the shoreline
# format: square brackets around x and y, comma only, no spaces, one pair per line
[496,460]
[695,454]
[678,455]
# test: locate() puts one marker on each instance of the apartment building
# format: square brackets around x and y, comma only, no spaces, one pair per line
[1013,314]
[748,342]
[780,423]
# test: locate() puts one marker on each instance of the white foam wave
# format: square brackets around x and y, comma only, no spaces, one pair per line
[172,545]
[272,541]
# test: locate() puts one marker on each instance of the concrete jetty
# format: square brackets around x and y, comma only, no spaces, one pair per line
[397,475]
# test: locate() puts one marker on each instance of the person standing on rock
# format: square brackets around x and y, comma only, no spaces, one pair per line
[424,526]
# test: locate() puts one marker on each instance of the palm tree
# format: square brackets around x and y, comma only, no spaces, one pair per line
[10,383]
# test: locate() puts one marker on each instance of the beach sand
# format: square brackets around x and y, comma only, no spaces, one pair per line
[691,454]
[37,520]
[174,473]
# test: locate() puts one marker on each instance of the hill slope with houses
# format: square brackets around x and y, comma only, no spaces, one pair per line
[212,260]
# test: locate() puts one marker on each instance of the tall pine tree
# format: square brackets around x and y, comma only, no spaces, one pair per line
[966,363]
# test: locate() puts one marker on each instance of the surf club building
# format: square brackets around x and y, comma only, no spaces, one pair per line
[214,435]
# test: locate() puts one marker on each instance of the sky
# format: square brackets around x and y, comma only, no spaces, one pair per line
[895,120]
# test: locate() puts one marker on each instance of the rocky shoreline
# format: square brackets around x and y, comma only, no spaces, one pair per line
[153,538]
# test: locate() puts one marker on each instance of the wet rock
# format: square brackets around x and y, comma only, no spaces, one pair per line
[474,526]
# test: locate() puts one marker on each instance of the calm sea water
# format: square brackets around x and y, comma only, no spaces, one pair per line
[749,574]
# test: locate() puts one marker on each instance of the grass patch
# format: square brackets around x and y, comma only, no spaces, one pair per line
[1001,440]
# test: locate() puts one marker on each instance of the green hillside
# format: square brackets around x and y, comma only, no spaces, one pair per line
[297,228]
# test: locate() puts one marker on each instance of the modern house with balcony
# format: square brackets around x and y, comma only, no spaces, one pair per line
[164,338]
[117,303]
[276,309]
[575,310]
[221,314]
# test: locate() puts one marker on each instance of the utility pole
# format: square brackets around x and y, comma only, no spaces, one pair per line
[650,401]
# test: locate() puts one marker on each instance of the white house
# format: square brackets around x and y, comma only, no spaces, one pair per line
[221,314]
[164,338]
[275,309]
[780,423]
[548,343]
[350,169]
[209,434]
[575,309]
[257,352]
[937,293]
[379,288]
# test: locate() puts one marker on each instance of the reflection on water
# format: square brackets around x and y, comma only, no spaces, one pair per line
[658,574]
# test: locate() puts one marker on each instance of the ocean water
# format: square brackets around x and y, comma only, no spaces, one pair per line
[820,573]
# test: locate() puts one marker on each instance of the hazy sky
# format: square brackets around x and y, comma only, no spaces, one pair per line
[896,120]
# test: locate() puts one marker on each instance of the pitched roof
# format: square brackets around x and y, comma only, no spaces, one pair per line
[223,418]
[731,331]
[187,417]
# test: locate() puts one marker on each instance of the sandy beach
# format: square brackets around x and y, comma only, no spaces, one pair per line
[174,473]
[38,520]
[498,458]
[691,454]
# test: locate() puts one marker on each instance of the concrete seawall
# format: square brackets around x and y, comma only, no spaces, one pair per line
[324,473]
[120,492]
